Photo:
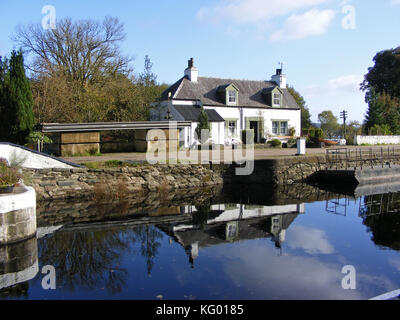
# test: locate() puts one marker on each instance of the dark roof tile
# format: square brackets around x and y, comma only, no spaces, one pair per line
[206,91]
[191,113]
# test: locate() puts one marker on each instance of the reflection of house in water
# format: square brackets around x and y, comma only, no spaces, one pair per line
[226,223]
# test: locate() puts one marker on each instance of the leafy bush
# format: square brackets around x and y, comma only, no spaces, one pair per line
[380,130]
[275,143]
[314,134]
[8,176]
[292,131]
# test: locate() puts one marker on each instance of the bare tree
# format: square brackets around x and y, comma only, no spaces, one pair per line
[82,50]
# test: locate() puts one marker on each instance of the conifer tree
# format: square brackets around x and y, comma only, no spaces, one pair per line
[203,124]
[16,102]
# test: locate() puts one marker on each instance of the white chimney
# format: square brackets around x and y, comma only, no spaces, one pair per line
[191,72]
[279,79]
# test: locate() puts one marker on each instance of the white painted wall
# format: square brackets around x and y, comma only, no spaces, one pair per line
[292,116]
[10,202]
[218,130]
[373,140]
[33,160]
[217,133]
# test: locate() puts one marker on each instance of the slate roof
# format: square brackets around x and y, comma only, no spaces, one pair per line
[206,90]
[191,113]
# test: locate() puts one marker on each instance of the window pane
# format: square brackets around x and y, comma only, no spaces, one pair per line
[277,99]
[275,126]
[284,127]
[232,96]
[232,128]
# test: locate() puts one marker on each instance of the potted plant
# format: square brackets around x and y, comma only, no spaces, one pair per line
[9,177]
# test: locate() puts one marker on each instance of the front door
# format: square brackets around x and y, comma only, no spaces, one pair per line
[254,127]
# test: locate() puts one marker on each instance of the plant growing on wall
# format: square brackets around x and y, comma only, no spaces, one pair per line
[9,176]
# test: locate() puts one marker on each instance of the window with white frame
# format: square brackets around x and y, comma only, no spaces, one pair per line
[280,128]
[277,100]
[284,128]
[232,97]
[232,125]
[275,127]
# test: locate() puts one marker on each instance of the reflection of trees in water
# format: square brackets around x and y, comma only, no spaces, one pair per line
[148,236]
[92,259]
[385,229]
[200,216]
[382,216]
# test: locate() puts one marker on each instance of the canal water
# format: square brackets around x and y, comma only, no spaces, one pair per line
[299,242]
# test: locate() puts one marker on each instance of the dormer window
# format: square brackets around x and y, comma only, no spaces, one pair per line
[273,96]
[277,100]
[232,97]
[229,94]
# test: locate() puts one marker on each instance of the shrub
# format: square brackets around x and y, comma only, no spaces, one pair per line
[113,163]
[275,143]
[380,130]
[36,136]
[8,176]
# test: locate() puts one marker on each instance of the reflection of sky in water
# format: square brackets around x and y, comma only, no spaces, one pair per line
[308,265]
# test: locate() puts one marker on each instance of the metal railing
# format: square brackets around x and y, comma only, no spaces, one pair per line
[345,158]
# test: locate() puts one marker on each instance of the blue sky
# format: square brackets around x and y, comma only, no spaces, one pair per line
[326,45]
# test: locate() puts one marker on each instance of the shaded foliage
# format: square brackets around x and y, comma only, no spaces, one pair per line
[329,124]
[305,112]
[382,91]
[203,126]
[16,103]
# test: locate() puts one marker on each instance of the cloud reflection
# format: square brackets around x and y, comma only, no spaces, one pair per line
[312,241]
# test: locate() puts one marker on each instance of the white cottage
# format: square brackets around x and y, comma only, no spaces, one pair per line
[232,105]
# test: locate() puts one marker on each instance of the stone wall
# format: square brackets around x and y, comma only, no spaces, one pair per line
[109,184]
[296,169]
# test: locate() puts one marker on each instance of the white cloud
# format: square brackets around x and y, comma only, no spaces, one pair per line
[340,85]
[336,94]
[395,2]
[292,276]
[253,11]
[395,262]
[310,240]
[312,23]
